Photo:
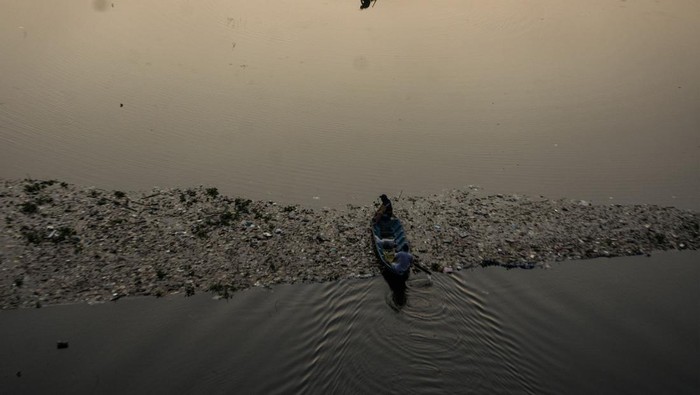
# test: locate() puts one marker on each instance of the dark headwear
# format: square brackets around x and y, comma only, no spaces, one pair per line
[385,199]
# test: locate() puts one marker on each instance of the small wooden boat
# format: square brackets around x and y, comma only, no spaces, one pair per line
[388,237]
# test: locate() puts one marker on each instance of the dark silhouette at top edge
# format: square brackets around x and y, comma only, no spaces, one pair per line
[365,3]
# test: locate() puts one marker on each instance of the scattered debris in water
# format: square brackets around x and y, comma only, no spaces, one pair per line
[62,243]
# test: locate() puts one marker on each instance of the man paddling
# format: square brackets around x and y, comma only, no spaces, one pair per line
[402,261]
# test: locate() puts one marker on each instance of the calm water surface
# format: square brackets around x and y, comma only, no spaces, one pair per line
[318,103]
[624,325]
[296,100]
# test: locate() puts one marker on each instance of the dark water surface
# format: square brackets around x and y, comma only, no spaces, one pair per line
[316,102]
[623,325]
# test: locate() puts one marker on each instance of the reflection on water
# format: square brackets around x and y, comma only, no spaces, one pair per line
[397,299]
[624,325]
[290,100]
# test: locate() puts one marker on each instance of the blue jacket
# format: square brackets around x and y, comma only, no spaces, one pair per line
[402,262]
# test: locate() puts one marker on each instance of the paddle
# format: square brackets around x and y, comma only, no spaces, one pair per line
[420,266]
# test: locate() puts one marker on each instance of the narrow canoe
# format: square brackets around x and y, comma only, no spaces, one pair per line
[390,229]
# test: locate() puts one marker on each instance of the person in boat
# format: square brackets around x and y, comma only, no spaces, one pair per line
[402,260]
[364,4]
[385,211]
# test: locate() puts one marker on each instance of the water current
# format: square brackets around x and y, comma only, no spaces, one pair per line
[623,325]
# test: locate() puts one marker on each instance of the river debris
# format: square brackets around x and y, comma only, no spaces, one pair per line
[62,243]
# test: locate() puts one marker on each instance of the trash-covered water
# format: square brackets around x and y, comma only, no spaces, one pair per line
[622,325]
[318,103]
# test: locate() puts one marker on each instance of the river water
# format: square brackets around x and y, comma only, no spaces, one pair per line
[322,104]
[623,325]
[316,102]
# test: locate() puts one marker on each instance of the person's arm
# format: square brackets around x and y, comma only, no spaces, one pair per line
[379,213]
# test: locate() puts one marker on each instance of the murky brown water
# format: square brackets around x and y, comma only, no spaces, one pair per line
[291,100]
